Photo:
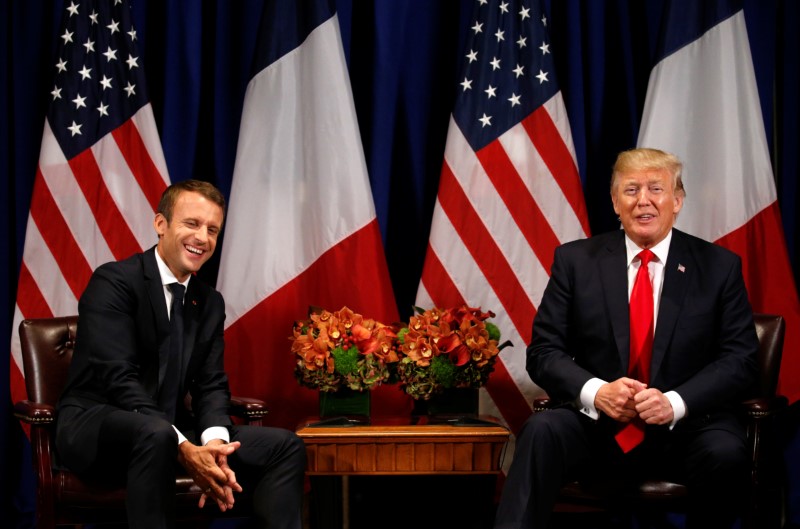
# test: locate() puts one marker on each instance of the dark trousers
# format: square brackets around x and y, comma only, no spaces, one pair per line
[708,454]
[140,452]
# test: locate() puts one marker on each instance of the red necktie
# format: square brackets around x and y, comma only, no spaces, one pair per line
[641,316]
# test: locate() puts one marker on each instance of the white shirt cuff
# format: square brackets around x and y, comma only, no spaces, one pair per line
[181,437]
[588,394]
[678,407]
[215,432]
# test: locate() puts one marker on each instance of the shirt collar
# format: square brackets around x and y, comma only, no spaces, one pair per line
[661,250]
[167,277]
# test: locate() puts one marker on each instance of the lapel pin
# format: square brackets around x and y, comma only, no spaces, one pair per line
[681,268]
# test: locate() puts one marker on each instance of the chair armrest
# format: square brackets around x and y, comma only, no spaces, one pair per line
[34,412]
[763,407]
[542,404]
[248,408]
[41,419]
[754,408]
[39,413]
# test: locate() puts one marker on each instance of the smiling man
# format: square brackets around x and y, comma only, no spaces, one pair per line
[647,200]
[645,337]
[147,392]
[186,244]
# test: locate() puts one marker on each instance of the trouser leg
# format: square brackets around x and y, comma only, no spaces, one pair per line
[549,449]
[715,465]
[271,463]
[144,449]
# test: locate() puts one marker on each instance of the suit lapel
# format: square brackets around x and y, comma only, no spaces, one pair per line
[678,272]
[158,303]
[614,278]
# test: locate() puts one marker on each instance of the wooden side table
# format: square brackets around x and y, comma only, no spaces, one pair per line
[400,446]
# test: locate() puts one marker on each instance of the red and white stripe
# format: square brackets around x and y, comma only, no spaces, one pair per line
[86,211]
[499,215]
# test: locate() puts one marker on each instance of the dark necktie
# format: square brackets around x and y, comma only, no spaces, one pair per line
[641,351]
[168,395]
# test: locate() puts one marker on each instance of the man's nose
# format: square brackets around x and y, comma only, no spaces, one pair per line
[201,234]
[643,197]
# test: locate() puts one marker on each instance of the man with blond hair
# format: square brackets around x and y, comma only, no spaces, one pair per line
[646,366]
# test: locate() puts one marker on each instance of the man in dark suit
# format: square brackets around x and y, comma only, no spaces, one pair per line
[668,410]
[123,416]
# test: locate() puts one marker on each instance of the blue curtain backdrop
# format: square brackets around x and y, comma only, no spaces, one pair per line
[402,56]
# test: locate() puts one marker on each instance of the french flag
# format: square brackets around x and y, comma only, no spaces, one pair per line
[702,104]
[301,227]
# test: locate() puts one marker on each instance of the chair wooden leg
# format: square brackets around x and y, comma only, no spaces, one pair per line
[42,462]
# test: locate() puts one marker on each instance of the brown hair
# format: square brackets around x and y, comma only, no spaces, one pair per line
[644,159]
[171,194]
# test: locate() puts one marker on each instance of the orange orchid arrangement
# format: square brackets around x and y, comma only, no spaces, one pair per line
[447,348]
[342,349]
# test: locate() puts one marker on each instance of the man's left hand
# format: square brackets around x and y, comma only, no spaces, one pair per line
[208,467]
[221,456]
[653,406]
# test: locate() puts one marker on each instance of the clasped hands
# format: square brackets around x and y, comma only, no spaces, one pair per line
[627,398]
[208,467]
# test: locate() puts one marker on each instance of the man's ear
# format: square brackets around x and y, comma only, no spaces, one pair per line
[676,208]
[160,223]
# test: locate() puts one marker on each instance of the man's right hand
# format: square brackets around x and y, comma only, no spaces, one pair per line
[201,463]
[615,399]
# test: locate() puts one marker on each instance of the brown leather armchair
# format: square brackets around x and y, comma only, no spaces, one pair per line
[764,507]
[62,498]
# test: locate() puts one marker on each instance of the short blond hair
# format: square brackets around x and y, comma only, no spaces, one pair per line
[645,159]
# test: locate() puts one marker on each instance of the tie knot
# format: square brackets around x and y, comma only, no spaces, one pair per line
[177,291]
[646,256]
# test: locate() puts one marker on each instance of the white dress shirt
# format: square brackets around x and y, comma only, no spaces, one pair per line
[167,278]
[656,270]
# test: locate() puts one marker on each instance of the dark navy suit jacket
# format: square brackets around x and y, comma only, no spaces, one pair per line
[122,346]
[705,342]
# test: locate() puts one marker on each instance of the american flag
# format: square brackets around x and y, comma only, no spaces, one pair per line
[509,191]
[101,168]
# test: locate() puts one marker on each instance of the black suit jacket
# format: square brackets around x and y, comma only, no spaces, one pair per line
[705,342]
[122,344]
